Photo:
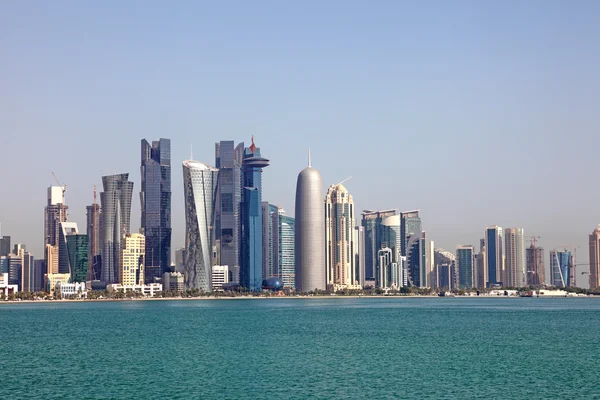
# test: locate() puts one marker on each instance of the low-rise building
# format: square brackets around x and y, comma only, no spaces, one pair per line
[5,287]
[51,280]
[220,275]
[71,290]
[173,281]
[148,290]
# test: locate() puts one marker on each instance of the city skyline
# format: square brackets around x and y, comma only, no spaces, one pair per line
[439,113]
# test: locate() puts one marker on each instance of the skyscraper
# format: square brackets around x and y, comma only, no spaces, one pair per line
[4,246]
[54,213]
[251,231]
[535,265]
[310,231]
[270,232]
[199,185]
[116,215]
[515,257]
[359,239]
[77,247]
[155,199]
[561,263]
[131,264]
[494,255]
[64,262]
[465,263]
[27,274]
[286,251]
[410,225]
[228,160]
[340,247]
[381,229]
[39,270]
[420,260]
[93,234]
[595,259]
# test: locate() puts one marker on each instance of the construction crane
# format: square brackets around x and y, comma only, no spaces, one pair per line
[63,187]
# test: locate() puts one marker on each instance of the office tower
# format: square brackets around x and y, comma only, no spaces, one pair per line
[179,257]
[535,265]
[384,267]
[199,185]
[270,232]
[494,255]
[4,246]
[381,229]
[39,270]
[15,269]
[27,272]
[251,231]
[359,239]
[116,213]
[286,250]
[78,251]
[594,246]
[340,247]
[155,199]
[220,276]
[444,276]
[51,259]
[54,213]
[228,160]
[132,263]
[64,263]
[93,234]
[465,265]
[561,263]
[410,225]
[310,231]
[420,261]
[515,257]
[482,277]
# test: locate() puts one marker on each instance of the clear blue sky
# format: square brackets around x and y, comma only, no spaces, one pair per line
[476,112]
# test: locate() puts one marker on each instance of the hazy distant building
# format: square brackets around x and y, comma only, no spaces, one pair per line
[465,265]
[515,257]
[4,246]
[199,184]
[77,248]
[561,263]
[410,225]
[340,247]
[481,274]
[132,262]
[444,276]
[535,266]
[179,257]
[594,246]
[494,260]
[228,160]
[39,270]
[359,239]
[251,232]
[310,231]
[116,215]
[155,199]
[93,234]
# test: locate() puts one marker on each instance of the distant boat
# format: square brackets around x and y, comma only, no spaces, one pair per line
[446,294]
[526,294]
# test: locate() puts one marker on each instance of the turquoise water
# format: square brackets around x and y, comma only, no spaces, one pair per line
[446,348]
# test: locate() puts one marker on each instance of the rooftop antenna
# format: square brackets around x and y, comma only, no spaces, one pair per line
[347,179]
[309,157]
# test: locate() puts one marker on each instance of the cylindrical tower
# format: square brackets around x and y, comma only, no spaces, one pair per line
[310,231]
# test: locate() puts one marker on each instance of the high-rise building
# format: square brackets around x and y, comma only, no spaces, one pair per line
[54,214]
[381,229]
[420,260]
[594,246]
[270,232]
[78,251]
[535,266]
[15,269]
[51,259]
[93,234]
[64,262]
[482,277]
[340,247]
[384,268]
[27,272]
[228,160]
[155,199]
[4,246]
[410,225]
[39,270]
[286,250]
[251,231]
[132,263]
[515,257]
[359,239]
[444,276]
[310,231]
[561,263]
[179,257]
[116,215]
[465,265]
[199,185]
[494,260]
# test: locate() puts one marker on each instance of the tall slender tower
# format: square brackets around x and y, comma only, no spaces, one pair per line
[494,254]
[93,233]
[465,266]
[310,231]
[595,259]
[54,214]
[535,265]
[116,216]
[155,200]
[251,219]
[199,185]
[515,257]
[340,247]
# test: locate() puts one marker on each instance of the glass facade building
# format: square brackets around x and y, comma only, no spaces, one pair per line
[561,263]
[251,232]
[380,229]
[270,235]
[286,251]
[228,160]
[155,199]
[77,247]
[535,266]
[115,222]
[64,261]
[199,184]
[494,254]
[465,265]
[410,225]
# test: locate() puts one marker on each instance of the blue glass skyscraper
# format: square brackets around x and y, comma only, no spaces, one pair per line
[156,206]
[251,219]
[561,263]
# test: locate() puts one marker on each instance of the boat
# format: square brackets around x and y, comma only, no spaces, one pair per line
[526,294]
